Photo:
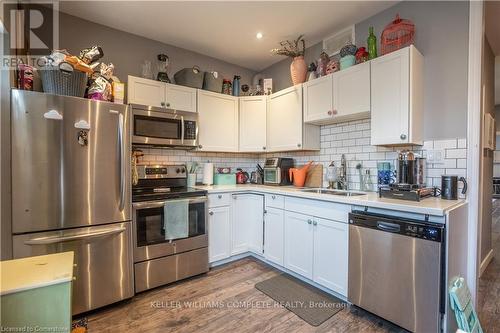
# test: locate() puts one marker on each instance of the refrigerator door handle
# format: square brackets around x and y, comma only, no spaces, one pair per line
[121,143]
[54,240]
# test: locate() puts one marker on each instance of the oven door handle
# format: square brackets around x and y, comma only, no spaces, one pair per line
[54,240]
[158,204]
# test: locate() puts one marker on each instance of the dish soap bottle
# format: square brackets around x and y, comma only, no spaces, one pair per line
[372,44]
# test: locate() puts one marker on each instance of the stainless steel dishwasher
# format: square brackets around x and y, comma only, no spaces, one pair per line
[396,269]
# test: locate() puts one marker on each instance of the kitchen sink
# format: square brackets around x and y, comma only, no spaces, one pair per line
[333,192]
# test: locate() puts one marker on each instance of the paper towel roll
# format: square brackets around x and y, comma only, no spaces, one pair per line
[208,173]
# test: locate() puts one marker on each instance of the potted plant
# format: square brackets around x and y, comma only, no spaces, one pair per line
[294,49]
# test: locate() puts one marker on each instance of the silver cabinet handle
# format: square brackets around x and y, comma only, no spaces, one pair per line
[53,240]
[403,136]
[264,148]
[315,223]
[299,145]
[211,213]
[200,146]
[121,145]
[309,221]
[219,196]
[168,105]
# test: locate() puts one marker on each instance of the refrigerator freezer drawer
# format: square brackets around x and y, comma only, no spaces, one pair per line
[154,273]
[103,258]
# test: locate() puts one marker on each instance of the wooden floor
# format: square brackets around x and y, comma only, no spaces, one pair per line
[236,306]
[488,305]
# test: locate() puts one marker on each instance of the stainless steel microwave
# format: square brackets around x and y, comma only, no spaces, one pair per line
[153,126]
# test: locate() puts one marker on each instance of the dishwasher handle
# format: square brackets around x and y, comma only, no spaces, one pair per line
[390,227]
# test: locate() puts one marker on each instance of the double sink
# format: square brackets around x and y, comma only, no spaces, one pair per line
[332,192]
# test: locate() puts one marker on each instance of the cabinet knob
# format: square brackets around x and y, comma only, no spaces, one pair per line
[211,213]
[334,112]
[309,221]
[330,113]
[264,148]
[168,105]
[402,136]
[200,146]
[265,211]
[219,196]
[273,196]
[299,145]
[315,223]
[162,103]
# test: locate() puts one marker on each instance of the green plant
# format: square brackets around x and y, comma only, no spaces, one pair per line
[294,48]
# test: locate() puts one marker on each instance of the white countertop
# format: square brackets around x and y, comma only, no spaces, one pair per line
[431,206]
[35,272]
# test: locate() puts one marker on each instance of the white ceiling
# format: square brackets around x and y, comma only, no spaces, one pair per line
[226,30]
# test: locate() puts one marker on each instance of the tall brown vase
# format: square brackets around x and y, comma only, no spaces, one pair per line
[298,70]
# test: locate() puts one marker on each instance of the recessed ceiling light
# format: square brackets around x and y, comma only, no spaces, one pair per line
[259,35]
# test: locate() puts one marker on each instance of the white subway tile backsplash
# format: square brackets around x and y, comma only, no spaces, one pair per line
[351,138]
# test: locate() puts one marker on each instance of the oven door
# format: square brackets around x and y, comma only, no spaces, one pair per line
[149,229]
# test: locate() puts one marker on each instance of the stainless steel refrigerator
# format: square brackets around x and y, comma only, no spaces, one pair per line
[71,190]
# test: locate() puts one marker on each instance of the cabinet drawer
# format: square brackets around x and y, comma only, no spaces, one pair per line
[274,200]
[219,199]
[324,209]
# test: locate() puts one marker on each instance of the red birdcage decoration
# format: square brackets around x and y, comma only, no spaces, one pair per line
[397,34]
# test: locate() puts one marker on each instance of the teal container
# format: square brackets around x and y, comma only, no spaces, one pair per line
[225,179]
[347,61]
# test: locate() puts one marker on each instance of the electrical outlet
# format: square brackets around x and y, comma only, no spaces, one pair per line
[435,156]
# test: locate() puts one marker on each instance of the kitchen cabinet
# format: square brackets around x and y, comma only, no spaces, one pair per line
[252,123]
[160,94]
[397,98]
[247,223]
[219,233]
[218,122]
[286,130]
[299,244]
[330,265]
[337,97]
[274,219]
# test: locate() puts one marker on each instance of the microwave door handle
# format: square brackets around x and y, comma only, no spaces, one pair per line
[121,157]
[182,129]
[54,240]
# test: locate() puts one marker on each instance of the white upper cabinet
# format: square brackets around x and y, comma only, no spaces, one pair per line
[318,99]
[160,94]
[337,97]
[351,92]
[218,122]
[180,98]
[397,98]
[253,123]
[285,128]
[145,92]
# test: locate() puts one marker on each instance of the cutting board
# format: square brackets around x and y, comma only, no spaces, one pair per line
[314,175]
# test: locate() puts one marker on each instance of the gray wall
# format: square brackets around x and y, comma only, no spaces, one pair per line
[442,37]
[127,51]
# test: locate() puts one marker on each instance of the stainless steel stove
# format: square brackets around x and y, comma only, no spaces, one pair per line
[169,226]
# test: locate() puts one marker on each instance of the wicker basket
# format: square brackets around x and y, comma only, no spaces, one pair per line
[59,82]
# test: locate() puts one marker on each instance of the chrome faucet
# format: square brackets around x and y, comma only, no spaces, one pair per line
[342,180]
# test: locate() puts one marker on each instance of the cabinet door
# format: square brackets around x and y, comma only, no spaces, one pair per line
[253,123]
[330,265]
[351,91]
[390,98]
[299,244]
[274,233]
[218,122]
[219,233]
[180,98]
[247,223]
[145,92]
[318,99]
[284,120]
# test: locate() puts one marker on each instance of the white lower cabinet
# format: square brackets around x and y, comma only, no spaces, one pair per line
[331,254]
[247,223]
[219,233]
[274,235]
[299,244]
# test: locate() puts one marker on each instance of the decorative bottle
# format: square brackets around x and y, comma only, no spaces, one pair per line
[372,44]
[236,85]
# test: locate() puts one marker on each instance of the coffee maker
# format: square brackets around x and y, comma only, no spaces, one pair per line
[411,175]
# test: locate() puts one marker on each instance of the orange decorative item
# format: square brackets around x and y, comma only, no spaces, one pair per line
[396,35]
[298,176]
[298,70]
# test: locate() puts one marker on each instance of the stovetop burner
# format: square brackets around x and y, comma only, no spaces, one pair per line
[162,182]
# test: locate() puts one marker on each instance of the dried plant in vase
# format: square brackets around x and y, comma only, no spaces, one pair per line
[294,49]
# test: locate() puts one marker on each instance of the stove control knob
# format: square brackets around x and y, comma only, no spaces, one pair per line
[178,170]
[183,170]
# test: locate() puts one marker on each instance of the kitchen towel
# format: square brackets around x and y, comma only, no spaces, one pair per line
[208,173]
[176,219]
